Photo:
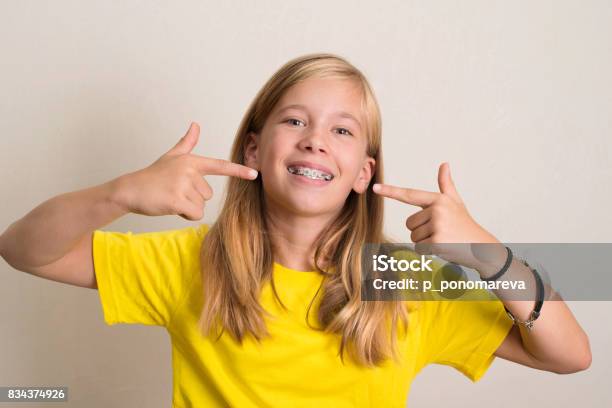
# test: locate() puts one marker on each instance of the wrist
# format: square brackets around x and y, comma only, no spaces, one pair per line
[491,258]
[117,195]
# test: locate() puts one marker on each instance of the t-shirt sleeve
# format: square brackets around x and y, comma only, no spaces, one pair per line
[142,277]
[465,334]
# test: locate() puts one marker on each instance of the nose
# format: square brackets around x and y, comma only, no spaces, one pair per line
[314,140]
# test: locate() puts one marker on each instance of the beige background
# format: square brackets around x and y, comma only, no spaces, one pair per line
[515,95]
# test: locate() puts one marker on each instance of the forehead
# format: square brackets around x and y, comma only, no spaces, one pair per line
[322,96]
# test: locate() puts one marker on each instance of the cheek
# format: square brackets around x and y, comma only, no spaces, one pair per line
[267,155]
[349,163]
[275,147]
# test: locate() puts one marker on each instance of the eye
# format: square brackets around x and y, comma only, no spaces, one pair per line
[293,120]
[348,132]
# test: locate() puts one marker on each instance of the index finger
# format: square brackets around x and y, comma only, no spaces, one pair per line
[411,196]
[221,167]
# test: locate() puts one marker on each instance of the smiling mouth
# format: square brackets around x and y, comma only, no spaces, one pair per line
[313,174]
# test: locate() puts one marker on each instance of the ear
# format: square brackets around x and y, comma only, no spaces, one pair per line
[250,151]
[365,175]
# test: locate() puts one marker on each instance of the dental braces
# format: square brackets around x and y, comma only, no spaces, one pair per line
[310,173]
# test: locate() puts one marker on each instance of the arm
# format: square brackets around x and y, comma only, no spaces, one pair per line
[556,342]
[53,241]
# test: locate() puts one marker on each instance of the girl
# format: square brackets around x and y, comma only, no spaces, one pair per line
[264,306]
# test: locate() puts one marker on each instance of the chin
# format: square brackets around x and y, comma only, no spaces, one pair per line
[307,205]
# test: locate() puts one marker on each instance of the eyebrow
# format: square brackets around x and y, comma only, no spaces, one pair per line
[302,107]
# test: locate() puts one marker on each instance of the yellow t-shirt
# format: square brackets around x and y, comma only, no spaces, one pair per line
[154,278]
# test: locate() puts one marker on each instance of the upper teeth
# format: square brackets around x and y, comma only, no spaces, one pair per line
[310,173]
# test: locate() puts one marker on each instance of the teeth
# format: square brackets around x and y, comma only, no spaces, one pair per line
[310,173]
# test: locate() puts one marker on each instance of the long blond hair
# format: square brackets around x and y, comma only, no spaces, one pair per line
[237,257]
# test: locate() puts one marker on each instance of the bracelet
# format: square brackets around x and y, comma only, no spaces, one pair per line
[535,313]
[502,270]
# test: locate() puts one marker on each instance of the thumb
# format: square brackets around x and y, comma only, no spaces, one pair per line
[186,143]
[447,186]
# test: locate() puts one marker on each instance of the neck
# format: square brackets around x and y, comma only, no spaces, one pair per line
[294,236]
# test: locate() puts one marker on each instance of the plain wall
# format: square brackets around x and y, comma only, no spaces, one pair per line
[515,95]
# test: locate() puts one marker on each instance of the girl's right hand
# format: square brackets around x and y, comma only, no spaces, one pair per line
[174,183]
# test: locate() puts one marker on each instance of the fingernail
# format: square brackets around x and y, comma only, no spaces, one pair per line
[376,188]
[253,173]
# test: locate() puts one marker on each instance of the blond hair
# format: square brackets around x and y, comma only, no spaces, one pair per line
[237,257]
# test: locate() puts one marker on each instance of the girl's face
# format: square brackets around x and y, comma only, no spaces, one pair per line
[311,151]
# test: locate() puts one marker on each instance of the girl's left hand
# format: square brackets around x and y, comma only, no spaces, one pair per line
[443,219]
